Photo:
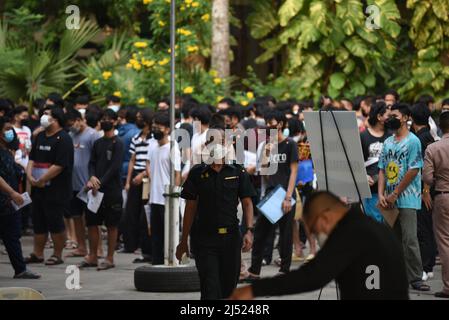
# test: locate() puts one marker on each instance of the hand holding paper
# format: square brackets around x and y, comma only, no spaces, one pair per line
[94,200]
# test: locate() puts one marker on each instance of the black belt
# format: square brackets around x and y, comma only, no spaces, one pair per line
[441,192]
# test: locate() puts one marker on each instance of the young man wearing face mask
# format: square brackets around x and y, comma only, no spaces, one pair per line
[372,140]
[399,186]
[135,234]
[212,192]
[83,138]
[159,163]
[10,220]
[281,153]
[49,172]
[104,172]
[363,256]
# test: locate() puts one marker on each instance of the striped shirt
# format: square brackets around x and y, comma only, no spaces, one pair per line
[139,146]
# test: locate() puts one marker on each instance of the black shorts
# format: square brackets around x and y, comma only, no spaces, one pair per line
[77,207]
[109,215]
[48,216]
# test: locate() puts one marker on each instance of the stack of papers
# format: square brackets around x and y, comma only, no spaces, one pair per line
[26,201]
[271,204]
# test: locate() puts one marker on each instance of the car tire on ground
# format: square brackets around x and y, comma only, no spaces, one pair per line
[166,279]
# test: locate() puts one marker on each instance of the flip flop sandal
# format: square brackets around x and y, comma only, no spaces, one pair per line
[74,254]
[32,258]
[53,261]
[105,266]
[85,264]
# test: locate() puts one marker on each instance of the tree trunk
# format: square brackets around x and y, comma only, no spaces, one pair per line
[220,38]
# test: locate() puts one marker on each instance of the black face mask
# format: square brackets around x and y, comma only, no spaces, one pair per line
[140,124]
[24,122]
[158,135]
[106,126]
[393,123]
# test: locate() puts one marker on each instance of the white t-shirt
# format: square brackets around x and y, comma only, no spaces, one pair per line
[24,137]
[198,143]
[160,163]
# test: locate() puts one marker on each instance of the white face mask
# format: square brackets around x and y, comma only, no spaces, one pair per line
[297,138]
[218,152]
[45,121]
[114,108]
[321,238]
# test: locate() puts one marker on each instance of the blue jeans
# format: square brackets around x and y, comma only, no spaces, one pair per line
[10,233]
[371,209]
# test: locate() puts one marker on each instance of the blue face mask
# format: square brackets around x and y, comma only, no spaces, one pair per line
[9,136]
[286,132]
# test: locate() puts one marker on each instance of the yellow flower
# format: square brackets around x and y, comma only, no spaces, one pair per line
[192,48]
[168,1]
[184,32]
[164,62]
[217,81]
[133,61]
[96,81]
[162,80]
[161,23]
[195,4]
[141,44]
[137,66]
[188,1]
[250,95]
[205,17]
[129,66]
[147,1]
[148,63]
[188,90]
[219,98]
[107,75]
[134,55]
[213,73]
[117,94]
[244,103]
[183,7]
[141,101]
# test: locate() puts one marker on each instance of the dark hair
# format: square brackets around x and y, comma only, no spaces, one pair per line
[228,101]
[162,119]
[356,103]
[217,122]
[425,99]
[110,114]
[39,104]
[18,110]
[378,108]
[131,114]
[295,126]
[3,121]
[187,106]
[57,99]
[82,100]
[164,100]
[113,99]
[285,106]
[234,111]
[202,113]
[307,209]
[403,108]
[445,102]
[5,106]
[147,115]
[393,93]
[58,114]
[92,118]
[277,115]
[73,115]
[260,108]
[420,114]
[321,101]
[444,122]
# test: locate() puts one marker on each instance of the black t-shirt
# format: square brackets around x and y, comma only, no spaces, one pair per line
[218,195]
[54,150]
[105,164]
[425,137]
[372,148]
[287,153]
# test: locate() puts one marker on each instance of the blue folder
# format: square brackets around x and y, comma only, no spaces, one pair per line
[271,204]
[305,172]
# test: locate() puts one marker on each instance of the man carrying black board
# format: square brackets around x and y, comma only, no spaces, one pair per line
[364,257]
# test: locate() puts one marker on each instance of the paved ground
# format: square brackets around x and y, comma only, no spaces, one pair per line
[118,283]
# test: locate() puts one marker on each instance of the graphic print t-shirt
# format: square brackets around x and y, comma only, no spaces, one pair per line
[372,149]
[396,159]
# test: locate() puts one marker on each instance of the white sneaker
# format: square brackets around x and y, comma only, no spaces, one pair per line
[424,276]
[429,275]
